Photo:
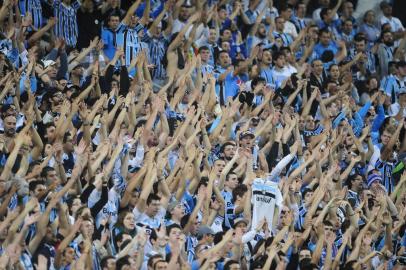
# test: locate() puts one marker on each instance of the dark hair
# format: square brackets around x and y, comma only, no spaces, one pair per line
[228,143]
[151,259]
[229,263]
[33,184]
[45,171]
[172,226]
[239,191]
[324,30]
[256,81]
[230,173]
[120,263]
[277,55]
[104,261]
[359,37]
[323,12]
[203,48]
[159,262]
[153,197]
[327,223]
[204,181]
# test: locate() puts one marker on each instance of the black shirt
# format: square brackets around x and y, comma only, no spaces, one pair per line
[90,26]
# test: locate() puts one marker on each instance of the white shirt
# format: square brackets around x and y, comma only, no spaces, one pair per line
[394,22]
[394,110]
[153,222]
[265,196]
[281,75]
[316,15]
[290,29]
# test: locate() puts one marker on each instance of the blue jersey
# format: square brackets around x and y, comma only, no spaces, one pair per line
[34,7]
[229,209]
[129,40]
[66,26]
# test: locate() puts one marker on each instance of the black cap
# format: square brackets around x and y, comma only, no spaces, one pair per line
[385,4]
[401,64]
[246,133]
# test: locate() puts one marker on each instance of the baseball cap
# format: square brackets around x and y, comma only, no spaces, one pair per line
[204,230]
[246,133]
[6,107]
[374,178]
[239,220]
[384,4]
[47,63]
[172,205]
[401,63]
[402,90]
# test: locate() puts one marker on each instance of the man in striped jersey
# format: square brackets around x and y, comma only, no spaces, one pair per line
[157,41]
[129,38]
[205,54]
[67,26]
[383,159]
[35,9]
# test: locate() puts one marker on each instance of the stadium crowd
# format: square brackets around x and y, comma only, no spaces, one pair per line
[202,134]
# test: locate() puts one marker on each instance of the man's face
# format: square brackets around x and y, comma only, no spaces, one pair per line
[212,36]
[205,55]
[39,189]
[280,62]
[325,38]
[385,137]
[387,37]
[10,126]
[87,228]
[318,67]
[301,10]
[328,230]
[229,152]
[349,8]
[280,24]
[227,35]
[153,208]
[335,72]
[114,22]
[287,14]
[387,11]
[402,71]
[222,14]
[174,235]
[69,255]
[327,17]
[50,133]
[78,71]
[111,264]
[225,60]
[360,46]
[161,265]
[52,71]
[305,254]
[310,125]
[357,183]
[11,112]
[232,181]
[184,14]
[52,176]
[219,166]
[246,142]
[267,57]
[347,27]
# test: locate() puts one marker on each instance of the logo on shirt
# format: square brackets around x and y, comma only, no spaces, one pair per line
[263,199]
